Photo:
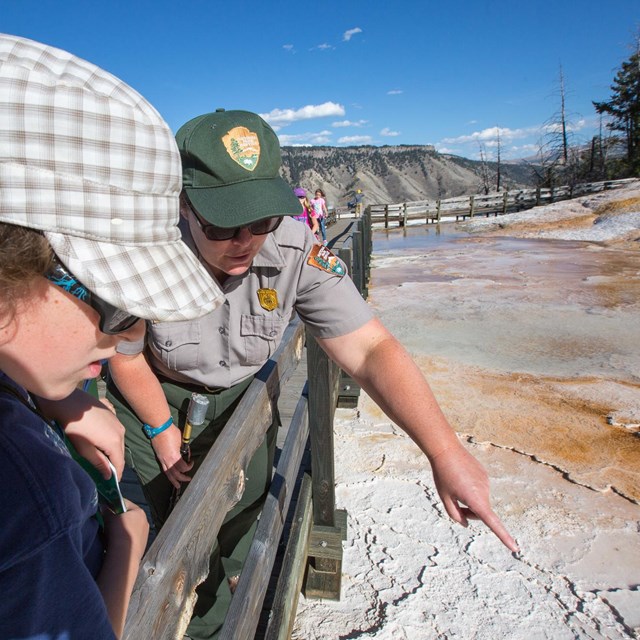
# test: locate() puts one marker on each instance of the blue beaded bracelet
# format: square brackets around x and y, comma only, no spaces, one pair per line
[152,432]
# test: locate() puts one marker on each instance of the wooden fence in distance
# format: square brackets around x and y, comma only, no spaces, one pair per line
[177,561]
[491,204]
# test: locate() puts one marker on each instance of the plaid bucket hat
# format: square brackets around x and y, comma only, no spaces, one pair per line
[230,165]
[88,161]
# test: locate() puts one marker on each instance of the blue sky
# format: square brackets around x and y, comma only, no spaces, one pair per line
[448,73]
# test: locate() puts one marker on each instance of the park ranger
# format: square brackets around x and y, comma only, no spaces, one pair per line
[237,218]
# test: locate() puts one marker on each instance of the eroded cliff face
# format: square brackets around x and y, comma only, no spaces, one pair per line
[393,173]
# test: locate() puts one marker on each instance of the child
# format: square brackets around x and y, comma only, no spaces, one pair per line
[320,207]
[307,215]
[89,185]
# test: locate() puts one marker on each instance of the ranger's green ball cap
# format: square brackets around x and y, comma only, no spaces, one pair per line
[230,169]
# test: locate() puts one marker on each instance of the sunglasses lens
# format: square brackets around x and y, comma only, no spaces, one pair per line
[114,321]
[259,228]
[218,233]
[264,226]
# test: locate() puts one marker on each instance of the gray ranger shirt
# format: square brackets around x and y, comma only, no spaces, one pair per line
[236,339]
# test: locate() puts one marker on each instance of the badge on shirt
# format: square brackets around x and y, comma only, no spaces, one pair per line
[268,299]
[321,258]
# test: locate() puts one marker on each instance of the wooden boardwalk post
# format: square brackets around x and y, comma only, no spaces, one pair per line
[367,248]
[246,605]
[324,571]
[357,262]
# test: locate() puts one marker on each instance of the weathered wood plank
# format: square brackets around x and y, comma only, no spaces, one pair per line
[286,599]
[244,612]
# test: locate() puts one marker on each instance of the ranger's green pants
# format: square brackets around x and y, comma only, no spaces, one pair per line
[234,538]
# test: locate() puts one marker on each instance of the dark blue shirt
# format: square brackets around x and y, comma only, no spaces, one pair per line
[50,546]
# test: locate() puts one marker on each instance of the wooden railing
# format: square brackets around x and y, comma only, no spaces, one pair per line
[490,204]
[177,561]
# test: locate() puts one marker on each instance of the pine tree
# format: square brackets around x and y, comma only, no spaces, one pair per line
[624,108]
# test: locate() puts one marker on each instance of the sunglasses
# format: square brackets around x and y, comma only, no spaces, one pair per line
[258,228]
[112,319]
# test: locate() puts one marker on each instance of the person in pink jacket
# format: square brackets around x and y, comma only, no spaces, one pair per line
[320,209]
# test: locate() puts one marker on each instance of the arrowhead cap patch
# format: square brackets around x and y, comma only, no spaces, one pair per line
[243,146]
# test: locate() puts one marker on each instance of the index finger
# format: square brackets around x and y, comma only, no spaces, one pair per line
[495,524]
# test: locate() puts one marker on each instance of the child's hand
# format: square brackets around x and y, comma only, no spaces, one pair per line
[92,427]
[127,532]
[126,540]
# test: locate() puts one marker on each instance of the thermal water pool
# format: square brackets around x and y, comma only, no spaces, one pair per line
[542,337]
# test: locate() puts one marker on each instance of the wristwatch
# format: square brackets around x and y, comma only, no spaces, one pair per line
[152,432]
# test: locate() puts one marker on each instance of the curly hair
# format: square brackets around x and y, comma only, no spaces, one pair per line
[25,254]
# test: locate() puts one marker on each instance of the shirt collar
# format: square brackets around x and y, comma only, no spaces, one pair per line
[270,255]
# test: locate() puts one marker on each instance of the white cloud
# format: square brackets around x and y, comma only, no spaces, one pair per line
[395,92]
[349,123]
[525,148]
[387,132]
[572,127]
[514,143]
[347,35]
[490,135]
[283,117]
[324,46]
[355,140]
[441,149]
[288,47]
[305,139]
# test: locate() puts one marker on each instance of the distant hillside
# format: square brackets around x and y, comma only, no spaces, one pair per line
[391,173]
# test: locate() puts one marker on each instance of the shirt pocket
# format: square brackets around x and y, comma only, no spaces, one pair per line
[261,337]
[177,344]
